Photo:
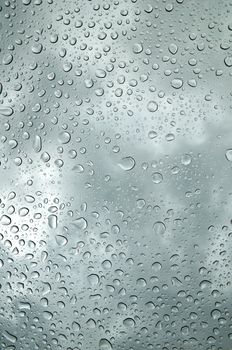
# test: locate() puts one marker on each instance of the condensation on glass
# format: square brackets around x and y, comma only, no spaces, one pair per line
[115,172]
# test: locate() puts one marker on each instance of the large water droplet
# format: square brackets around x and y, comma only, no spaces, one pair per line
[137,48]
[127,163]
[6,111]
[5,220]
[37,144]
[129,322]
[93,279]
[159,228]
[81,223]
[157,177]
[61,240]
[64,137]
[152,106]
[104,344]
[177,83]
[228,155]
[78,168]
[37,48]
[52,221]
[7,59]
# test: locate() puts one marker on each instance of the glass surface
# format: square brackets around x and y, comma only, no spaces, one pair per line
[115,175]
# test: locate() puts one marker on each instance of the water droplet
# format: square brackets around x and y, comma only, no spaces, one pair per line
[169,7]
[228,155]
[104,344]
[205,284]
[137,48]
[52,221]
[61,240]
[29,199]
[100,73]
[141,282]
[141,203]
[228,61]
[18,161]
[7,59]
[78,168]
[47,315]
[23,211]
[152,106]
[215,314]
[127,163]
[159,228]
[64,137]
[177,83]
[37,144]
[45,157]
[129,322]
[156,266]
[173,48]
[170,137]
[157,177]
[37,48]
[6,111]
[81,223]
[186,159]
[75,326]
[106,264]
[93,279]
[10,337]
[24,305]
[152,134]
[5,220]
[13,143]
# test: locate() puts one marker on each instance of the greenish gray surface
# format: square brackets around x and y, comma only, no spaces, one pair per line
[115,175]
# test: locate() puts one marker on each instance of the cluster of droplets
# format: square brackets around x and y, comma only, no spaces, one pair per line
[115,148]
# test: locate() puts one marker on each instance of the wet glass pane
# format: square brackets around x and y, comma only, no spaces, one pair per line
[115,172]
